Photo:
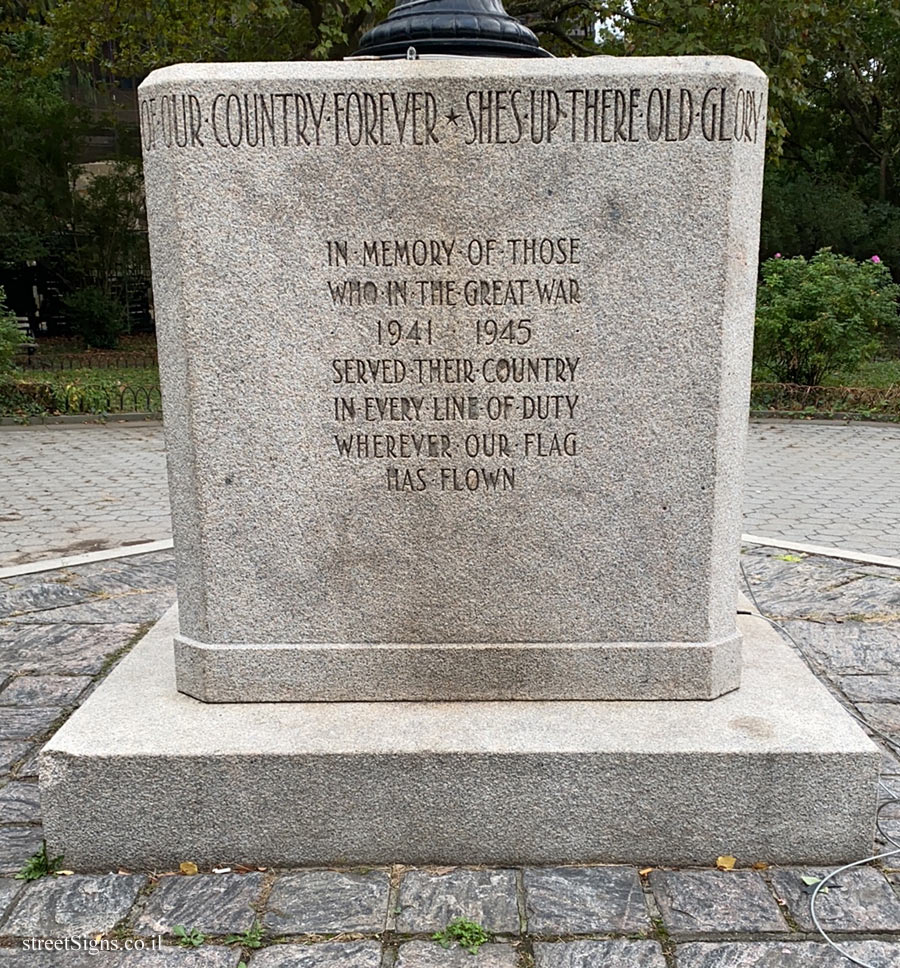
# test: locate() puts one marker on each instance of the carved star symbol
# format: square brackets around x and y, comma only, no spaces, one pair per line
[452,117]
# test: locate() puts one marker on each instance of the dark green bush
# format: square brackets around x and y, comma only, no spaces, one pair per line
[11,337]
[816,316]
[97,318]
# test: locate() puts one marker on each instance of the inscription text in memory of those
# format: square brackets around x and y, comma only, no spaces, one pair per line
[464,389]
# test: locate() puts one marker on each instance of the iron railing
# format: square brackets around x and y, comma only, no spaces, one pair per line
[126,359]
[25,397]
[792,399]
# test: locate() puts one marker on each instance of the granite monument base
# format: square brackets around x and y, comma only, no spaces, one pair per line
[142,776]
[441,671]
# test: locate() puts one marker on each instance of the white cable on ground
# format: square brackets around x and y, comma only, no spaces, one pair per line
[824,883]
[893,798]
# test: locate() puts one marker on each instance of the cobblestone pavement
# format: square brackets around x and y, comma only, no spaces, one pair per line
[61,631]
[67,490]
[825,483]
[71,489]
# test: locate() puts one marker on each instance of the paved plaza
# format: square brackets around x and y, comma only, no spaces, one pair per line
[825,483]
[68,490]
[61,631]
[74,489]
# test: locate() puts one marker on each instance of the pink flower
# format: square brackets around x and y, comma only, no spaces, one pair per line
[876,259]
[777,255]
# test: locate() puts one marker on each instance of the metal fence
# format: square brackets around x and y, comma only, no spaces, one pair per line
[78,361]
[27,397]
[792,399]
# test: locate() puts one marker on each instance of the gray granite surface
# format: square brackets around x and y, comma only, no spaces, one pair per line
[328,902]
[571,532]
[326,954]
[80,904]
[588,954]
[585,900]
[474,783]
[820,482]
[698,903]
[861,911]
[427,901]
[213,904]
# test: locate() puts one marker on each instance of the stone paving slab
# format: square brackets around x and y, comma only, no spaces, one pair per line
[17,844]
[592,954]
[873,688]
[884,716]
[214,904]
[17,600]
[102,958]
[69,906]
[849,648]
[584,900]
[786,955]
[27,722]
[696,903]
[128,606]
[426,954]
[328,902]
[428,901]
[44,690]
[9,888]
[348,954]
[10,753]
[63,648]
[20,802]
[859,901]
[175,958]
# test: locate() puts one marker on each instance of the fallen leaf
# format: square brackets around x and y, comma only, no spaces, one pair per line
[188,867]
[793,559]
[760,865]
[810,883]
[726,862]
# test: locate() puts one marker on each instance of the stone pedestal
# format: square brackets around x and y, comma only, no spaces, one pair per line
[142,776]
[455,357]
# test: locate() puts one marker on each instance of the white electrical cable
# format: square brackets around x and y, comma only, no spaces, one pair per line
[892,799]
[824,882]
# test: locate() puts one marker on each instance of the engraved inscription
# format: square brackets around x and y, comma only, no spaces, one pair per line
[454,400]
[306,120]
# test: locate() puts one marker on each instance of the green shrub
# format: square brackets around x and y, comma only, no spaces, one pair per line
[97,318]
[11,337]
[823,314]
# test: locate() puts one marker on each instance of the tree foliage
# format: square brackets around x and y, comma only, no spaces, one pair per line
[42,132]
[833,66]
[132,38]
